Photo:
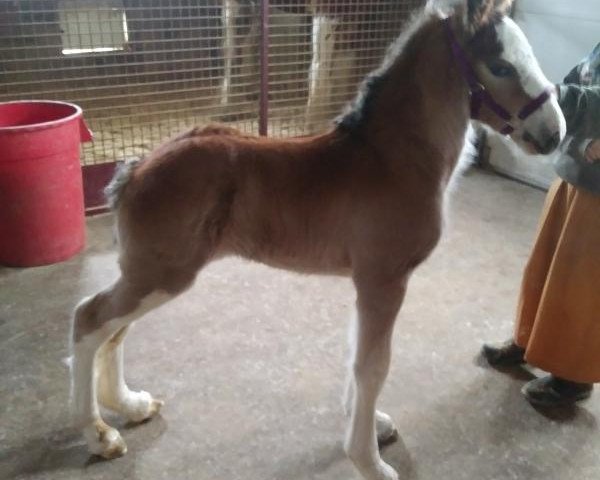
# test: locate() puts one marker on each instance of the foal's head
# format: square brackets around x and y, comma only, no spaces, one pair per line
[509,92]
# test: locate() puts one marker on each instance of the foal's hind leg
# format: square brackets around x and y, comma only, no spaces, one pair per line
[113,392]
[97,319]
[377,305]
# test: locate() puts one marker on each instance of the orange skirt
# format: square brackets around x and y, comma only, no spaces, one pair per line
[558,317]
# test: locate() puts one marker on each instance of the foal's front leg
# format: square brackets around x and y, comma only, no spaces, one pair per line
[377,305]
[384,425]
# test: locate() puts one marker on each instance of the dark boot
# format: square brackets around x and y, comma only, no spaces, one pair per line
[551,391]
[507,354]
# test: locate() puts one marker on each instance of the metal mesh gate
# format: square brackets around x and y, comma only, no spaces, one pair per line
[145,69]
[319,55]
[140,69]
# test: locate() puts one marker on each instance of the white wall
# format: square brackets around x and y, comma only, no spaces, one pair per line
[561,32]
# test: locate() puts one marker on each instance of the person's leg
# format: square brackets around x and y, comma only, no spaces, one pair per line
[512,352]
[535,276]
[565,340]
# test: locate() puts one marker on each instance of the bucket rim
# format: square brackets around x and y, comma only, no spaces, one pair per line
[42,125]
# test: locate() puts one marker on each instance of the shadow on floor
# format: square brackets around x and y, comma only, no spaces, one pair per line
[64,450]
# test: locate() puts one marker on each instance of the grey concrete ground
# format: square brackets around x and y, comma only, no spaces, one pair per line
[251,365]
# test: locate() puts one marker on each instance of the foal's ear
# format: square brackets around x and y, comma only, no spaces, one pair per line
[479,13]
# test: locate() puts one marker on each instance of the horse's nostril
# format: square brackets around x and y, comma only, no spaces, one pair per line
[528,137]
[551,143]
[545,145]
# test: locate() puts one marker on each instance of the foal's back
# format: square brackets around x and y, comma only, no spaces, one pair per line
[305,203]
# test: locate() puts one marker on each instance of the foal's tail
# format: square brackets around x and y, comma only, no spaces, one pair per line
[116,187]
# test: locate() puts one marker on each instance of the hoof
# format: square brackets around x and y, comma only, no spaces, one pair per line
[105,441]
[143,407]
[388,438]
[155,407]
[386,430]
[379,471]
[387,472]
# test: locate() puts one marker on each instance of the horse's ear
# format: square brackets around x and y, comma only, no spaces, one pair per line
[479,13]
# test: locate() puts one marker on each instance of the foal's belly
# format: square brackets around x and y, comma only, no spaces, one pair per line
[298,252]
[308,266]
[289,237]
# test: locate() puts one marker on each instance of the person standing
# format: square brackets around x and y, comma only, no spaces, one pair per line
[558,315]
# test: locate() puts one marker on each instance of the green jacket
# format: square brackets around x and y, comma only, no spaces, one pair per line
[581,108]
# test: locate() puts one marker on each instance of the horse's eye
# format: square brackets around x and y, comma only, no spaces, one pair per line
[501,70]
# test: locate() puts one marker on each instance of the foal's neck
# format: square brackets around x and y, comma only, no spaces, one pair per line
[423,102]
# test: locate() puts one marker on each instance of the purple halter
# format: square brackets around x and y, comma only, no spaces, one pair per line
[480,96]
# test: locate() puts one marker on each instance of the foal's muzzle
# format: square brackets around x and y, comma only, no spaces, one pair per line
[545,145]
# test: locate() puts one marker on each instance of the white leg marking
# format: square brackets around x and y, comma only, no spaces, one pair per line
[384,425]
[102,439]
[372,353]
[113,391]
[349,386]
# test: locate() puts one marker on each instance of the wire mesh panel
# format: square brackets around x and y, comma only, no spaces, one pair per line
[141,69]
[328,47]
[145,69]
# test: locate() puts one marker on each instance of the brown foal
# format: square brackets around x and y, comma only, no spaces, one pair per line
[365,199]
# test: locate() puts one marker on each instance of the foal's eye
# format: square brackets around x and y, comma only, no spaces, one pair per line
[501,70]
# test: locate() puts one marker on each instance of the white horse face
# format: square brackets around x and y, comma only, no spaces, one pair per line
[506,66]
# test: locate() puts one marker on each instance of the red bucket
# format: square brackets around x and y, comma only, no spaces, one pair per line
[41,194]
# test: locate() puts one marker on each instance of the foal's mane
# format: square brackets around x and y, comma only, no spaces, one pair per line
[400,51]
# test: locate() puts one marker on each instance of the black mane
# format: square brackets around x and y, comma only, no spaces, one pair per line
[358,111]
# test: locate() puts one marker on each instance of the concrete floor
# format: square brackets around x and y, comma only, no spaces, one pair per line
[251,365]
